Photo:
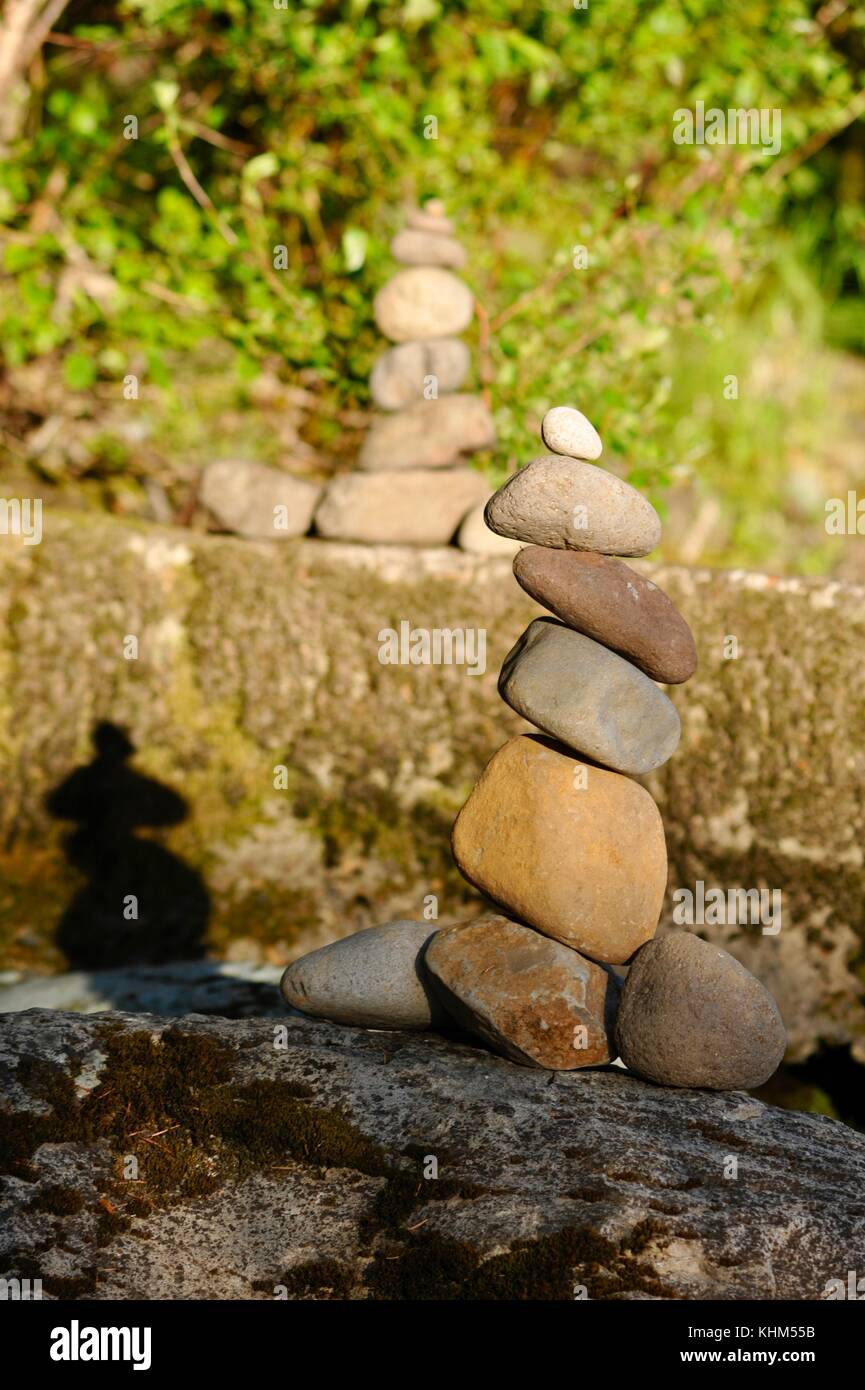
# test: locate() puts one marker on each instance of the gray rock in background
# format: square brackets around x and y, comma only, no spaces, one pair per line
[423,302]
[429,434]
[244,497]
[607,1182]
[475,536]
[400,374]
[413,246]
[409,506]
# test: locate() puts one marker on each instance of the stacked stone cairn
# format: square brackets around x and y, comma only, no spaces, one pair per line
[412,486]
[559,835]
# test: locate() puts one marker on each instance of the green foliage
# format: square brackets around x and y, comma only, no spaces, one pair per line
[306,127]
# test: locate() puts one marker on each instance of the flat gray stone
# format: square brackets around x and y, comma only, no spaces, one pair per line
[589,698]
[565,430]
[421,506]
[530,998]
[414,246]
[692,1015]
[431,218]
[429,434]
[423,302]
[372,979]
[571,505]
[403,373]
[258,502]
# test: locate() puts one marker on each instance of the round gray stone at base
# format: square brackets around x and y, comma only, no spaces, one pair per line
[692,1015]
[429,434]
[372,979]
[258,502]
[423,302]
[589,698]
[415,247]
[568,504]
[403,373]
[421,506]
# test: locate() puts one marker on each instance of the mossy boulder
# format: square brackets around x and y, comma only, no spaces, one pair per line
[148,1158]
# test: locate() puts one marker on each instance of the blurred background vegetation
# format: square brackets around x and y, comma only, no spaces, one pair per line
[301,123]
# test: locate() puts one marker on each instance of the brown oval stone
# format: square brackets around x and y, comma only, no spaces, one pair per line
[605,599]
[574,850]
[692,1015]
[531,999]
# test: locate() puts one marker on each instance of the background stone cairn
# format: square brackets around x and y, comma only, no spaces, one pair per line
[412,486]
[556,833]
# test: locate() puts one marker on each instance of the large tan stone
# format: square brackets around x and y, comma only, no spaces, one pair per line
[572,849]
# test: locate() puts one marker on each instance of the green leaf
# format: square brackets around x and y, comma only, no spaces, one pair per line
[354,246]
[262,166]
[166,94]
[79,372]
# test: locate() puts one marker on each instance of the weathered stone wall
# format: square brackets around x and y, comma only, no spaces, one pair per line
[255,656]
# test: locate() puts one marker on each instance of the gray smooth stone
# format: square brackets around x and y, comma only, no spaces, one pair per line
[372,979]
[401,374]
[692,1015]
[429,434]
[589,698]
[244,498]
[568,504]
[415,247]
[408,506]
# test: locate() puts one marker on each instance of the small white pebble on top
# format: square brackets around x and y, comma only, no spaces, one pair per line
[567,431]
